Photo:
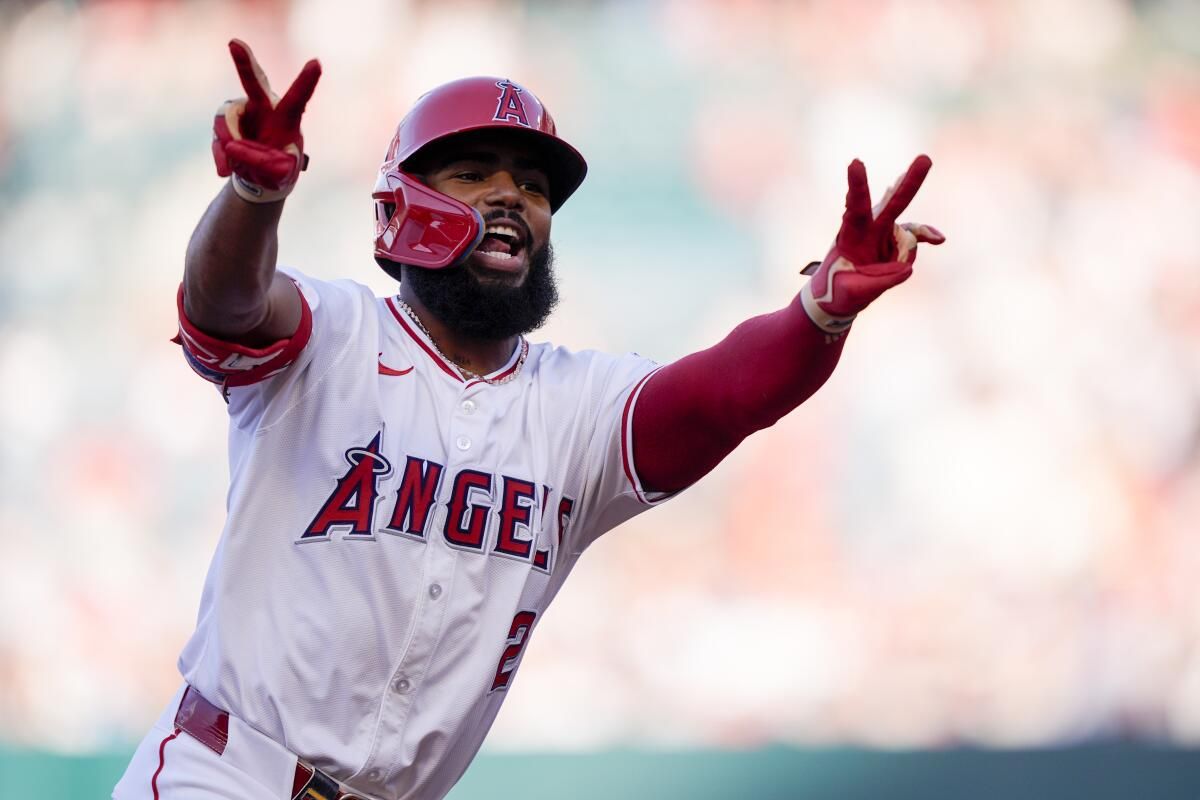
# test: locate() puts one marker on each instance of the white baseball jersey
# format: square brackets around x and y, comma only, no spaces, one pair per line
[394,534]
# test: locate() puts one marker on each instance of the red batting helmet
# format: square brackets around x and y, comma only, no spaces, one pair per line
[416,225]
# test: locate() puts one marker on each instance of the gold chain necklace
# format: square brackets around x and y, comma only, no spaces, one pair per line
[466,373]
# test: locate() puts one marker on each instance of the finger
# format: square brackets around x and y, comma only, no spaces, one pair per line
[889,272]
[906,190]
[224,168]
[266,166]
[906,242]
[858,197]
[926,234]
[883,201]
[861,287]
[254,80]
[301,90]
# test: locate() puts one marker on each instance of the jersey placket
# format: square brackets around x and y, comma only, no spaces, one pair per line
[467,426]
[409,674]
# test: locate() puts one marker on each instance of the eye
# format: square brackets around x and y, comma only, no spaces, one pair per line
[534,187]
[468,175]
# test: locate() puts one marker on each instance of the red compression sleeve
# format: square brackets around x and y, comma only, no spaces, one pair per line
[694,412]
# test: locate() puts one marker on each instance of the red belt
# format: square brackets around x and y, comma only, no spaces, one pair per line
[209,725]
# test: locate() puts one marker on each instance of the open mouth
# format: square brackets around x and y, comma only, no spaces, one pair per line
[503,246]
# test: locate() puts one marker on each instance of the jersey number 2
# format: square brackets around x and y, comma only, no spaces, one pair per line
[518,635]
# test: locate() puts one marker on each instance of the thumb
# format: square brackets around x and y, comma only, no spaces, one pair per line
[893,272]
[868,281]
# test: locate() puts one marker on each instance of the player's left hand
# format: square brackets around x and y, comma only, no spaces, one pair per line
[871,253]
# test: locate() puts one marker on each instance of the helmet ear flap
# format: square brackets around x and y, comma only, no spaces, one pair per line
[395,271]
[419,226]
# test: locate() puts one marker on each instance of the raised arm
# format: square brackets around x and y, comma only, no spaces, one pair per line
[694,412]
[230,288]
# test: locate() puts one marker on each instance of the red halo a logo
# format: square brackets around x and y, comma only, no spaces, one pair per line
[509,107]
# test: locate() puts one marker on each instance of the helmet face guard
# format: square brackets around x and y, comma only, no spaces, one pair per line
[424,228]
[418,226]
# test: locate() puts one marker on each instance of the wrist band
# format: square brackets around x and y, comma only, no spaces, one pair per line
[253,193]
[835,327]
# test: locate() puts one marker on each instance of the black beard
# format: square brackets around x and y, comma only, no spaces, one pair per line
[488,310]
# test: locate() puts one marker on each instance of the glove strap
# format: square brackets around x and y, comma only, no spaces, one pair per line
[253,193]
[834,327]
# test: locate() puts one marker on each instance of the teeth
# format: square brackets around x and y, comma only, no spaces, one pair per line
[502,230]
[497,254]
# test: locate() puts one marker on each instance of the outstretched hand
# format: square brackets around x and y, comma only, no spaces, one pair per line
[871,253]
[257,137]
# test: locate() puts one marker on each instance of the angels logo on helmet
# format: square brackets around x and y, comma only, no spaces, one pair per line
[509,106]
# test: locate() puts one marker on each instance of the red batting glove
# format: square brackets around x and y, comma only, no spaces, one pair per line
[871,253]
[257,138]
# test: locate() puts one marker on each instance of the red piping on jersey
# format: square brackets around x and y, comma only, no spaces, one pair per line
[436,358]
[161,762]
[441,362]
[512,368]
[625,460]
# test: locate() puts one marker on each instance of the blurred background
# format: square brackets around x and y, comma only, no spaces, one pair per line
[983,532]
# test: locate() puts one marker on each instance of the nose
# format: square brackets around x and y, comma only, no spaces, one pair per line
[503,191]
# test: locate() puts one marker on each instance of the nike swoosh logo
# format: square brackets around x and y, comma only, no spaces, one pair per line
[384,369]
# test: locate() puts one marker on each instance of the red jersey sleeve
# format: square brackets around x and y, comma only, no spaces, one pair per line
[228,364]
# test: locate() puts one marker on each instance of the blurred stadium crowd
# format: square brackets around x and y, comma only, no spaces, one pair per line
[985,529]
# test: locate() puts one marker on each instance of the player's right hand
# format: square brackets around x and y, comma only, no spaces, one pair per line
[871,253]
[257,138]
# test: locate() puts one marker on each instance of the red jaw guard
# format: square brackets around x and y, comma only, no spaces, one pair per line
[427,228]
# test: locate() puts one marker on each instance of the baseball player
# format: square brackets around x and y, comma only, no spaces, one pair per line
[411,479]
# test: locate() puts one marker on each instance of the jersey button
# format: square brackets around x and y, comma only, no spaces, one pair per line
[373,775]
[435,591]
[468,406]
[463,443]
[402,686]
